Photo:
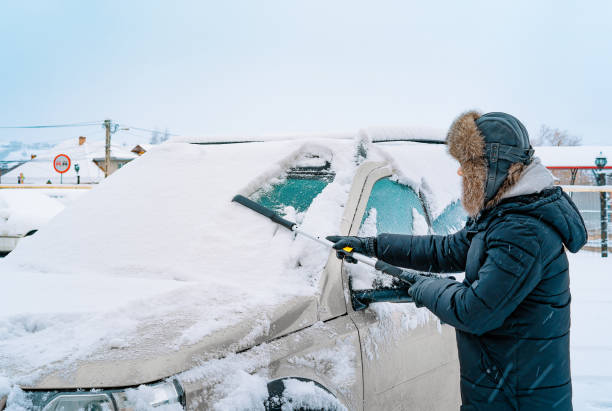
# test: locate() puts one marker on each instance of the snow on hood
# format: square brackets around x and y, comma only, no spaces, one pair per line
[159,245]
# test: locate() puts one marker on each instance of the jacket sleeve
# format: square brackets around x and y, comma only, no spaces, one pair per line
[431,253]
[511,270]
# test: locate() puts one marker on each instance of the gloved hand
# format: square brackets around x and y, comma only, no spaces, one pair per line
[411,278]
[361,245]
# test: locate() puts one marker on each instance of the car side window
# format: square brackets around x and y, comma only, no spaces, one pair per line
[394,208]
[451,220]
[297,188]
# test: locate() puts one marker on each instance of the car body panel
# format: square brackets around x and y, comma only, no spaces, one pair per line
[328,353]
[133,365]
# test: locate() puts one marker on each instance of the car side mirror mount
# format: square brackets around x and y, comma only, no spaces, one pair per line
[361,299]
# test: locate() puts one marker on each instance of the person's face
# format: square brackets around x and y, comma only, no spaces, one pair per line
[460,171]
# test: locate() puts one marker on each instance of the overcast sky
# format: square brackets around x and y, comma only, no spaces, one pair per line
[252,67]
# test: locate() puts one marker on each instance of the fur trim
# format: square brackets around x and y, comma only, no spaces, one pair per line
[464,140]
[466,144]
[514,174]
[474,181]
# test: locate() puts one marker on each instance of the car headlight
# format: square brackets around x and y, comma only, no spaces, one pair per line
[145,396]
[77,401]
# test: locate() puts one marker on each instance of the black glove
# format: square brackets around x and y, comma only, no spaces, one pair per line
[361,245]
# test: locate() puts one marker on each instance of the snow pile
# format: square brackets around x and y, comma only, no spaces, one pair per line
[16,397]
[24,210]
[243,392]
[300,395]
[141,398]
[238,381]
[64,196]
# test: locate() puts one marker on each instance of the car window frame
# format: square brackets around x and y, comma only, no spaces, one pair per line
[376,172]
[334,293]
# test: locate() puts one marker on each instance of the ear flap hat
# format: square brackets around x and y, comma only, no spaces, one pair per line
[493,149]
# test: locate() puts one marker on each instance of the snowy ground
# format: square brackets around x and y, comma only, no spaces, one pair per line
[591,333]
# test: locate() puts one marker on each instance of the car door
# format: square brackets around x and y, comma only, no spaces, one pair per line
[409,359]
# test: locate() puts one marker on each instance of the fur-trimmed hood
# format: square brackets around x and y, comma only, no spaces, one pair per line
[493,150]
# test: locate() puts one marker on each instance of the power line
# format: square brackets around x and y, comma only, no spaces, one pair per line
[83,124]
[149,130]
[89,124]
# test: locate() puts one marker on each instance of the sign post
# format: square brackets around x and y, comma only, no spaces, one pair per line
[61,164]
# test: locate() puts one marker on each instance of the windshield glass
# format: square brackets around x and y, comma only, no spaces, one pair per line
[298,187]
[297,193]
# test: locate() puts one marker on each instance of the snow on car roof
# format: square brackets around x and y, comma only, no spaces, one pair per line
[427,168]
[375,134]
[165,235]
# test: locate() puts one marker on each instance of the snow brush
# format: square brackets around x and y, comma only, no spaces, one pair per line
[401,274]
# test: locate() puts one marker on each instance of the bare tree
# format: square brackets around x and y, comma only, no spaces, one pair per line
[554,137]
[155,135]
[165,136]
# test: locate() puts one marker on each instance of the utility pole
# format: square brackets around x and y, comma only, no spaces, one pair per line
[107,125]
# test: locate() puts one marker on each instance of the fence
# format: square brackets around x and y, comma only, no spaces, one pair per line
[588,201]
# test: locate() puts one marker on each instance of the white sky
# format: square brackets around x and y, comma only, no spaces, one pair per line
[250,67]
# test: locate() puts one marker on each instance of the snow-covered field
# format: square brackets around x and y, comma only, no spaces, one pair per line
[591,333]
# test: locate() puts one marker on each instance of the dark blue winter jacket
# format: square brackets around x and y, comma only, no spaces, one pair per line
[512,311]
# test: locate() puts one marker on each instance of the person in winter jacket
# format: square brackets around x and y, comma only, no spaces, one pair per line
[512,311]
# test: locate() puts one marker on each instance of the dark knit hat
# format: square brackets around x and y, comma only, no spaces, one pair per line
[492,149]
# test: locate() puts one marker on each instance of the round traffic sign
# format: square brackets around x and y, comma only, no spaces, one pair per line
[61,163]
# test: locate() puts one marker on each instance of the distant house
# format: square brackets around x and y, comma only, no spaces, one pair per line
[115,163]
[140,149]
[573,164]
[89,155]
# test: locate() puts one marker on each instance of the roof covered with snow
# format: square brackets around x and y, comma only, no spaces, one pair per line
[39,170]
[573,156]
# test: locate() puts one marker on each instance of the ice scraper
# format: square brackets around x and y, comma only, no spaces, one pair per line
[406,276]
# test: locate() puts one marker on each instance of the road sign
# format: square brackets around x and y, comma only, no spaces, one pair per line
[61,163]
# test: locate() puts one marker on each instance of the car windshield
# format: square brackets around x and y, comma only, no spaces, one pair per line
[298,188]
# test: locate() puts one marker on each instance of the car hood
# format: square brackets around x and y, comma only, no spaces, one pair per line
[141,336]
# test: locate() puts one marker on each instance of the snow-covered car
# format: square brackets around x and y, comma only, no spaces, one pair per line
[156,290]
[22,213]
